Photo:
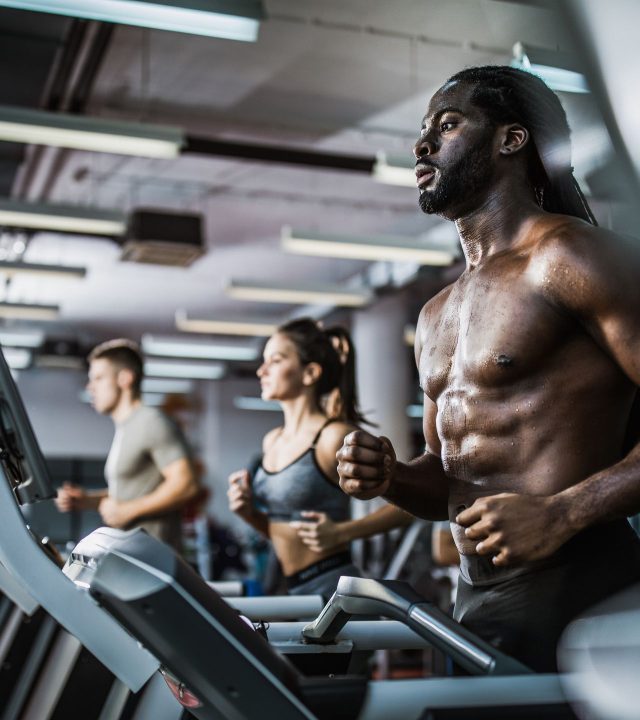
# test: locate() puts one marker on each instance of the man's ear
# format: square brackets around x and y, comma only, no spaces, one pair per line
[514,138]
[125,378]
[311,373]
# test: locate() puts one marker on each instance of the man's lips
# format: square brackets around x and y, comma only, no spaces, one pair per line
[424,174]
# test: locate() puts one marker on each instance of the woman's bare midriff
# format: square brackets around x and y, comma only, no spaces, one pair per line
[291,552]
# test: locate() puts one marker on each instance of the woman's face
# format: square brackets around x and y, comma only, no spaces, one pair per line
[281,373]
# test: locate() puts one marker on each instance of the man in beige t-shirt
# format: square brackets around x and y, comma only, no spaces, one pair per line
[149,472]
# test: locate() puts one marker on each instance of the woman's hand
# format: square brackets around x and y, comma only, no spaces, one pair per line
[320,533]
[239,494]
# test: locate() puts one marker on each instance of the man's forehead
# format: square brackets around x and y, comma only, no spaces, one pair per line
[101,365]
[453,93]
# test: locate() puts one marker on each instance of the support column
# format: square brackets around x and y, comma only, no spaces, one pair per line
[384,370]
[384,387]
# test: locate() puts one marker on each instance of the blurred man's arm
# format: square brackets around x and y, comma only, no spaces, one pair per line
[178,487]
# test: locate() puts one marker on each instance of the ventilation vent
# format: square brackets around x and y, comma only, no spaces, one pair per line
[163,238]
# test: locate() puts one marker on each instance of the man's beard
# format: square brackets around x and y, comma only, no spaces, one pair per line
[460,181]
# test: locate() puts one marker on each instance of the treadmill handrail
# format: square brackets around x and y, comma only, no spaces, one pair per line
[399,601]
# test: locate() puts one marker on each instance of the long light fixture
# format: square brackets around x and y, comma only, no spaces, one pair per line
[187,370]
[195,349]
[229,19]
[27,311]
[557,69]
[394,249]
[39,127]
[10,269]
[304,293]
[21,339]
[61,218]
[17,358]
[167,386]
[242,402]
[223,327]
[395,170]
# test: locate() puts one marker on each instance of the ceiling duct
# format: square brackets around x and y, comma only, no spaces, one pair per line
[162,238]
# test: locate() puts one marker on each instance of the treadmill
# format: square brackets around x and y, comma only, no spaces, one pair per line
[219,667]
[54,639]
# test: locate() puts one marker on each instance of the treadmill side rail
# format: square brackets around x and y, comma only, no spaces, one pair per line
[399,601]
[73,609]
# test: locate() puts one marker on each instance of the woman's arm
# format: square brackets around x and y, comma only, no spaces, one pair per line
[320,533]
[241,502]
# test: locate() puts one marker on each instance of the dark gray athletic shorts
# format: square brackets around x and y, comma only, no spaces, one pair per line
[523,611]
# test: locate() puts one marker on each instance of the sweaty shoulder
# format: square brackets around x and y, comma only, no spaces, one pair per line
[583,268]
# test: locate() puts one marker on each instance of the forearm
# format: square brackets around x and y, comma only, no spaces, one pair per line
[421,488]
[166,498]
[259,521]
[607,495]
[91,499]
[384,519]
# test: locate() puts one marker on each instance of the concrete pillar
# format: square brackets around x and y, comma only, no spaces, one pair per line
[384,370]
[384,386]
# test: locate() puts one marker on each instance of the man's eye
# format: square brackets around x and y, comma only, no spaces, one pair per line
[445,126]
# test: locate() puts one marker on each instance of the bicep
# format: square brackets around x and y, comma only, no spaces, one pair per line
[179,473]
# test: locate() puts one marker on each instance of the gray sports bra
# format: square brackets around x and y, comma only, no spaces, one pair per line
[301,485]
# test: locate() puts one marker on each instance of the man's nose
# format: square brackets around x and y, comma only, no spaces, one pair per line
[424,146]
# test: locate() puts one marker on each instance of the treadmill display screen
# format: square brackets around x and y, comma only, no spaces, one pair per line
[20,454]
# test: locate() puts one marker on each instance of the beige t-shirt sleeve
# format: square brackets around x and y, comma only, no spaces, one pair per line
[166,441]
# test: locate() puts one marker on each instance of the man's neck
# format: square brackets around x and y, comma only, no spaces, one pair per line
[126,406]
[497,224]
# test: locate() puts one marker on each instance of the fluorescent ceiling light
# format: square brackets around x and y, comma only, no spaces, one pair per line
[304,293]
[26,311]
[60,362]
[17,358]
[393,249]
[167,386]
[22,268]
[232,20]
[195,349]
[61,218]
[395,170]
[38,127]
[17,338]
[557,69]
[224,327]
[193,371]
[255,403]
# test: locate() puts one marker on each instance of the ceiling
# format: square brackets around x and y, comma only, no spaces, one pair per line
[339,76]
